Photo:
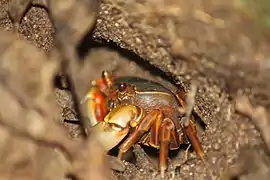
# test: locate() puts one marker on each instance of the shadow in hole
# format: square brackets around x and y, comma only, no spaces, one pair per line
[87,43]
[58,83]
[150,151]
[153,152]
[70,176]
[199,120]
[85,46]
[128,156]
[74,121]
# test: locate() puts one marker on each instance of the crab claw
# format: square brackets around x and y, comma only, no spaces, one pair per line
[107,135]
[95,105]
[115,126]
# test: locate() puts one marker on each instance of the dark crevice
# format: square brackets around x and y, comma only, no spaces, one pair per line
[199,120]
[87,43]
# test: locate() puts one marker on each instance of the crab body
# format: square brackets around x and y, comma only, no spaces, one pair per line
[150,95]
[144,111]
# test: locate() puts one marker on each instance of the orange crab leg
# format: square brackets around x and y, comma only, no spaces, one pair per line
[107,78]
[96,98]
[175,141]
[102,85]
[165,139]
[181,96]
[100,106]
[191,132]
[105,82]
[142,128]
[154,132]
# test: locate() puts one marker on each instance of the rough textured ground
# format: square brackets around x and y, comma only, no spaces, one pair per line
[226,132]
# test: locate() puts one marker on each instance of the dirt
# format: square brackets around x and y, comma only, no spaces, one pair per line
[152,53]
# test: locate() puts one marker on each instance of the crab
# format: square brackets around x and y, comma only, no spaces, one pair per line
[128,110]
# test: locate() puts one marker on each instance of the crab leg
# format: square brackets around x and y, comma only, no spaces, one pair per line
[107,78]
[191,132]
[154,132]
[165,138]
[142,128]
[175,141]
[181,96]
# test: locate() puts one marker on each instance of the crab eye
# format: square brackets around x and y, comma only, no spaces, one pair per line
[122,87]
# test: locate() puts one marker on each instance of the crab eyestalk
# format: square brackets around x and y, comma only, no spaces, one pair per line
[107,78]
[115,126]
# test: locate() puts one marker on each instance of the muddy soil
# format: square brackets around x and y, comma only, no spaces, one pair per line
[149,51]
